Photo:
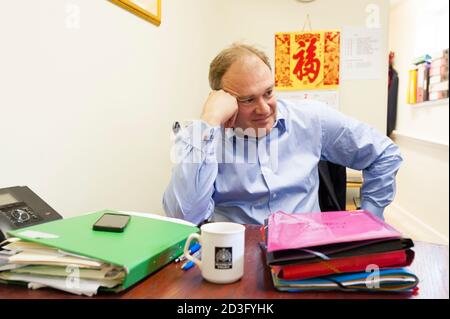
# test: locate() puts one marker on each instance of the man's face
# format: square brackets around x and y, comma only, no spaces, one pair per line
[250,81]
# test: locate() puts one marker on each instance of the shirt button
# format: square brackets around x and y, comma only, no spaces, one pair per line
[274,195]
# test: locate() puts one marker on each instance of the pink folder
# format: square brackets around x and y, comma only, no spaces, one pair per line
[302,230]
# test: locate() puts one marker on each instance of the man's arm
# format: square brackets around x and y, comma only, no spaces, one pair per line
[353,144]
[189,194]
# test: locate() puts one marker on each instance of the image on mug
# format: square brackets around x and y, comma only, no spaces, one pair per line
[224,258]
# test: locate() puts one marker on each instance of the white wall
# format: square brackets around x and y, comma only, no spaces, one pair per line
[418,27]
[421,207]
[256,21]
[86,113]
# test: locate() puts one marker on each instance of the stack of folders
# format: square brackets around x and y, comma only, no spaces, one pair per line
[348,251]
[69,255]
[438,76]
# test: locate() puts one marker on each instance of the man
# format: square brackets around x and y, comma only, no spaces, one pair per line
[251,154]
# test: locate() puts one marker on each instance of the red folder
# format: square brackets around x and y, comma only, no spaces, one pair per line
[392,259]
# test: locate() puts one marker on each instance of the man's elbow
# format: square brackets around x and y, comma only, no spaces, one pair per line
[170,208]
[187,212]
[393,156]
[398,159]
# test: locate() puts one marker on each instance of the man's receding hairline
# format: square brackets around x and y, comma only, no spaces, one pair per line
[236,54]
[248,54]
[241,59]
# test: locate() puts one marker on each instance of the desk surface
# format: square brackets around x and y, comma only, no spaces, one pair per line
[430,265]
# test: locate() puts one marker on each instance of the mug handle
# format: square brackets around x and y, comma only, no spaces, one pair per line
[186,249]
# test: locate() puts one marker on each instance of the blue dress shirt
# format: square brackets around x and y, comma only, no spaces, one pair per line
[226,176]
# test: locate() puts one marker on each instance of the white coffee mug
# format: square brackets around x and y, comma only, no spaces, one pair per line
[222,251]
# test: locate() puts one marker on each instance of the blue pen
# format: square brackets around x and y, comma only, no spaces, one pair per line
[192,250]
[190,263]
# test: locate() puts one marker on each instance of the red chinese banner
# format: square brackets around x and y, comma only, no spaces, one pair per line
[307,60]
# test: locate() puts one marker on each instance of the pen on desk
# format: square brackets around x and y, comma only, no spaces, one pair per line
[190,263]
[192,250]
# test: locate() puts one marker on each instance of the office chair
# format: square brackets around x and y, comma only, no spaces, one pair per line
[332,186]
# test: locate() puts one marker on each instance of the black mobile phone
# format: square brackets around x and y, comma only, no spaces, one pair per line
[112,222]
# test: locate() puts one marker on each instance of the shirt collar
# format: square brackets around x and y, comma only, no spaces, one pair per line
[281,121]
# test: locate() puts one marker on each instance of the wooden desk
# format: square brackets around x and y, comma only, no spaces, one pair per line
[430,265]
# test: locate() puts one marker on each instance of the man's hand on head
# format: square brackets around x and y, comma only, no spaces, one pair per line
[221,108]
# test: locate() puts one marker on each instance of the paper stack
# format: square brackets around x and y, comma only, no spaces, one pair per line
[349,251]
[69,255]
[42,266]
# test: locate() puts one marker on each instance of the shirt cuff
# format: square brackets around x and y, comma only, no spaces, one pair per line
[202,135]
[200,139]
[377,211]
